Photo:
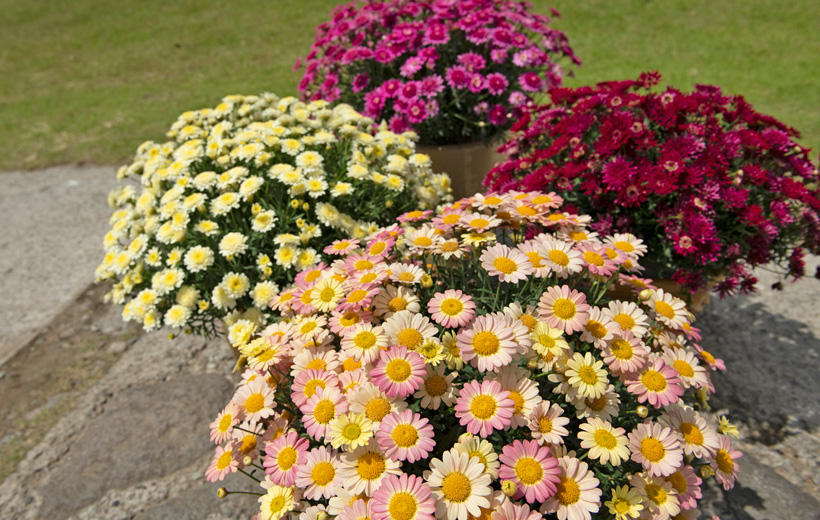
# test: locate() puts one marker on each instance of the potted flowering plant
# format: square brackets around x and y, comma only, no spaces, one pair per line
[457,73]
[470,365]
[242,197]
[714,187]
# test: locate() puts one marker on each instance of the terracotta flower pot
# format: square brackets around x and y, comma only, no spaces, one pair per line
[695,303]
[466,164]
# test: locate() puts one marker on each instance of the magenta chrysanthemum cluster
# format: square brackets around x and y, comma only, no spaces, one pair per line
[452,71]
[472,363]
[714,187]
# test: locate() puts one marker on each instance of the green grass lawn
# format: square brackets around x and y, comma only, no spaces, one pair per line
[88,80]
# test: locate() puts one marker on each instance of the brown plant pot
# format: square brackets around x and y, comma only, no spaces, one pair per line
[466,164]
[695,302]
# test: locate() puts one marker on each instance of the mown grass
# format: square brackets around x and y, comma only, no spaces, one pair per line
[88,80]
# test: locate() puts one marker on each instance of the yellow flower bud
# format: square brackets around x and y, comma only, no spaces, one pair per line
[388,204]
[221,492]
[295,203]
[645,294]
[642,411]
[247,460]
[509,487]
[706,471]
[426,281]
[305,206]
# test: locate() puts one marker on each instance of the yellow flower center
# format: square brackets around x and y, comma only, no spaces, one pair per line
[423,241]
[541,199]
[344,244]
[535,258]
[398,370]
[312,385]
[350,364]
[456,487]
[377,248]
[449,246]
[529,471]
[546,340]
[528,320]
[435,385]
[652,449]
[327,294]
[377,408]
[479,222]
[402,506]
[588,375]
[656,494]
[605,439]
[568,491]
[405,435]
[724,461]
[525,211]
[224,460]
[406,276]
[492,200]
[709,358]
[362,265]
[596,404]
[409,338]
[370,466]
[316,364]
[691,433]
[324,411]
[664,309]
[624,246]
[313,276]
[356,296]
[323,473]
[254,403]
[564,308]
[558,257]
[397,304]
[544,425]
[368,277]
[486,343]
[518,401]
[683,368]
[225,422]
[351,431]
[678,482]
[452,307]
[621,506]
[621,349]
[624,320]
[654,381]
[364,339]
[505,265]
[593,258]
[483,406]
[595,329]
[248,443]
[286,458]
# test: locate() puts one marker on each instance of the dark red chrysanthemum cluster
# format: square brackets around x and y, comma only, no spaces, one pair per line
[713,186]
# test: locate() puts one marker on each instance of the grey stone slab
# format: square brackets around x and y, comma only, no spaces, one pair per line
[51,232]
[202,503]
[143,433]
[759,494]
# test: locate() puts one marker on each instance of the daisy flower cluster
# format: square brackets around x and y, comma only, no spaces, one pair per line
[454,72]
[469,364]
[715,187]
[208,225]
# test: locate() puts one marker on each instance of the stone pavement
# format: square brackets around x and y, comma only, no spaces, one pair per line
[51,240]
[129,438]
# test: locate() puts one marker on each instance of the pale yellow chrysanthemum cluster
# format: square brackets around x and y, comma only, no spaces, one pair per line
[207,225]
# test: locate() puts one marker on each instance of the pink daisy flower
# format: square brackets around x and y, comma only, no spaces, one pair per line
[357,297]
[317,475]
[509,265]
[598,329]
[225,461]
[595,260]
[690,372]
[656,448]
[532,467]
[408,329]
[398,372]
[403,497]
[484,407]
[405,273]
[488,343]
[358,510]
[308,382]
[320,409]
[452,308]
[511,511]
[357,263]
[564,309]
[625,354]
[223,424]
[255,400]
[577,493]
[341,322]
[697,438]
[341,247]
[283,456]
[479,222]
[379,247]
[547,423]
[657,383]
[406,436]
[364,342]
[628,316]
[531,249]
[687,484]
[448,218]
[724,463]
[414,216]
